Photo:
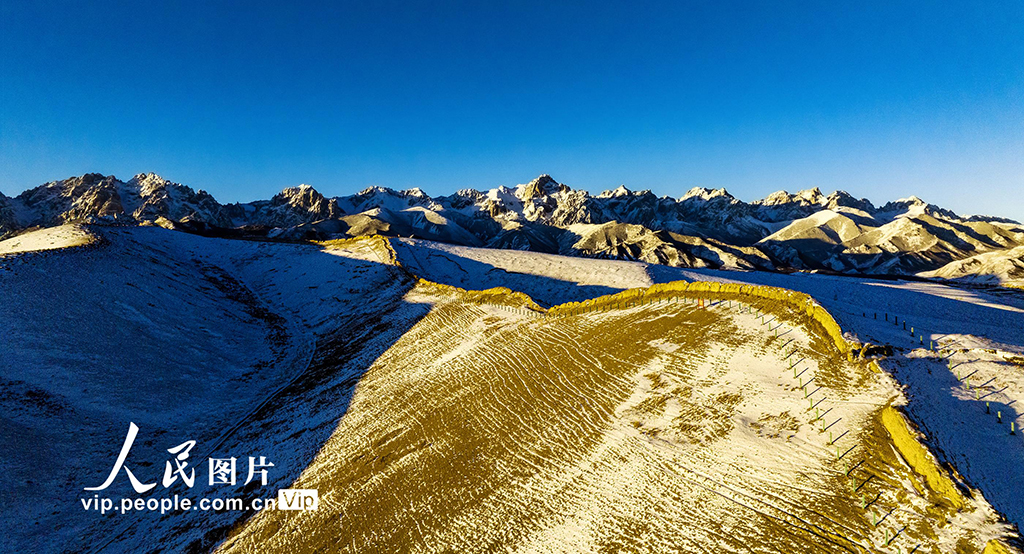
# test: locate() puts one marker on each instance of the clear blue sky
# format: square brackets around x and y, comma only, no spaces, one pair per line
[242,99]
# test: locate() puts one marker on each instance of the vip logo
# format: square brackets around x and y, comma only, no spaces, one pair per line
[298,499]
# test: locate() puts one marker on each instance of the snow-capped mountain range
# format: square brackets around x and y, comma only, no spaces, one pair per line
[704,228]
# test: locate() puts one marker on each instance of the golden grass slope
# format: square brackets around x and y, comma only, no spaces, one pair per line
[605,425]
[483,429]
[50,238]
[919,458]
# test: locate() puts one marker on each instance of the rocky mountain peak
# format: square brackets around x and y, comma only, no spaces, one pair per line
[150,184]
[543,185]
[86,180]
[147,178]
[914,206]
[619,191]
[703,193]
[810,196]
[775,198]
[911,203]
[376,189]
[464,198]
[843,198]
[302,195]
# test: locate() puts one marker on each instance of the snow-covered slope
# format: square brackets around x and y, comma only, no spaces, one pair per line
[902,239]
[185,336]
[549,279]
[1004,267]
[430,422]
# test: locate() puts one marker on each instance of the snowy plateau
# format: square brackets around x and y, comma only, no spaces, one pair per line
[522,369]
